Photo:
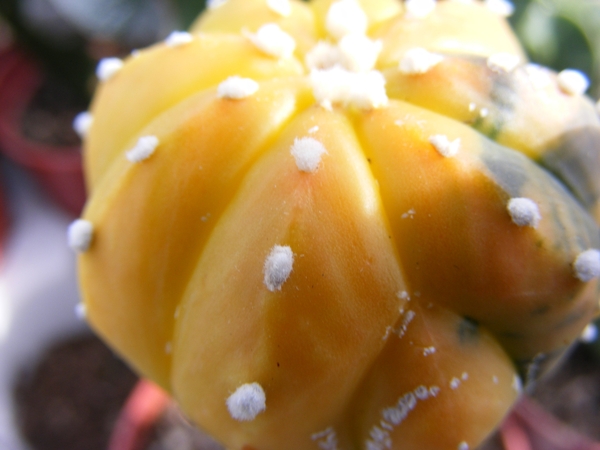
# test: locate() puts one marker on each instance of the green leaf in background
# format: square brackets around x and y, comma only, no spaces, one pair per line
[562,34]
[189,10]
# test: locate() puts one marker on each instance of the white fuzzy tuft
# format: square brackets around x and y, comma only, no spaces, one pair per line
[587,265]
[79,235]
[503,8]
[444,146]
[143,149]
[358,52]
[524,212]
[236,88]
[307,152]
[281,7]
[346,17]
[364,90]
[82,123]
[108,68]
[326,439]
[278,267]
[454,383]
[463,446]
[539,76]
[323,56]
[418,60]
[503,62]
[247,402]
[573,82]
[273,41]
[419,9]
[178,38]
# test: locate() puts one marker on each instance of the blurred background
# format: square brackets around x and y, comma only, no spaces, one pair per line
[48,53]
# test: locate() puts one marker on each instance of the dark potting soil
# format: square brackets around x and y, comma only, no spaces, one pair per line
[71,400]
[49,117]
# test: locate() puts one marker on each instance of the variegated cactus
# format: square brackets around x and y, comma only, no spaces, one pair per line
[341,224]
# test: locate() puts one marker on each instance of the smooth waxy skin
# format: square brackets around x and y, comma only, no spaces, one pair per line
[410,281]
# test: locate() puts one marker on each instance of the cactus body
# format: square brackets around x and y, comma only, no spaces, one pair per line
[314,236]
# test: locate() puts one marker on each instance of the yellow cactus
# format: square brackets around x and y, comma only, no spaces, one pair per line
[341,224]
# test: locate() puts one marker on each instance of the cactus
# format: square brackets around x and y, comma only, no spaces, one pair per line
[341,224]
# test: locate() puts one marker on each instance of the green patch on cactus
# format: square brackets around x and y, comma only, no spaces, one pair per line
[515,174]
[575,161]
[468,330]
[503,98]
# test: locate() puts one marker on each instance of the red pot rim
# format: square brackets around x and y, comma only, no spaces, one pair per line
[143,408]
[20,77]
[530,427]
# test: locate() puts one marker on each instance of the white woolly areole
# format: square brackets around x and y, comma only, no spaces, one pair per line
[503,62]
[212,4]
[463,446]
[278,267]
[445,146]
[307,152]
[346,17]
[503,8]
[281,7]
[323,56]
[418,60]
[82,123]
[273,41]
[419,8]
[79,235]
[587,265]
[573,82]
[236,88]
[143,149]
[358,52]
[178,38]
[364,90]
[108,68]
[539,76]
[246,402]
[524,212]
[326,439]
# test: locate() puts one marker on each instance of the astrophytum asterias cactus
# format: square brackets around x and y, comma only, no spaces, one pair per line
[341,224]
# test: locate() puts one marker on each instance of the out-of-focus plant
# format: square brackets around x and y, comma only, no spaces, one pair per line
[562,34]
[68,36]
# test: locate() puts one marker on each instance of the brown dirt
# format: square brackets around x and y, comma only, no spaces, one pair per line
[71,399]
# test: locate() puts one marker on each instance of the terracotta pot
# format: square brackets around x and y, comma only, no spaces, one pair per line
[142,410]
[530,427]
[58,169]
